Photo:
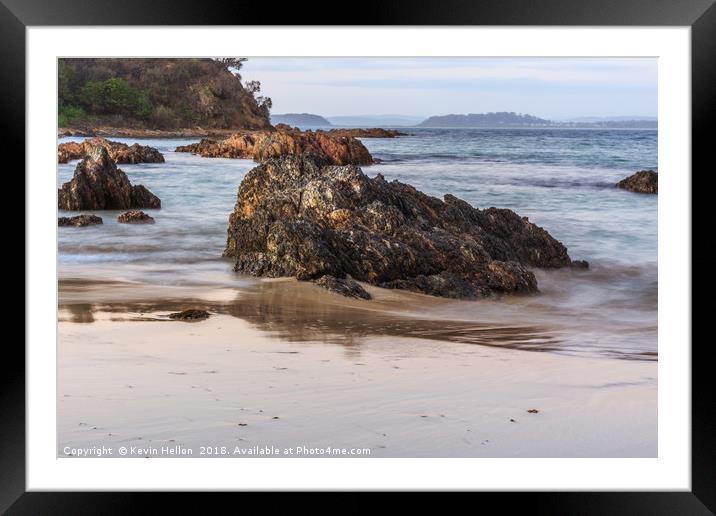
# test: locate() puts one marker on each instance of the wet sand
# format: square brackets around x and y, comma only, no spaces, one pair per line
[286,365]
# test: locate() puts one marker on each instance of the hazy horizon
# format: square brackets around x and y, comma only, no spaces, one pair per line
[550,88]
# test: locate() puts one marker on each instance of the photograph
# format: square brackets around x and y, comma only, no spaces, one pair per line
[357,257]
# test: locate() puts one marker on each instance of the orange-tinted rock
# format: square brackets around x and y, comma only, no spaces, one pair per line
[264,145]
[119,152]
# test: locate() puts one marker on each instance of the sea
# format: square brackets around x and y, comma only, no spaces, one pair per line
[562,179]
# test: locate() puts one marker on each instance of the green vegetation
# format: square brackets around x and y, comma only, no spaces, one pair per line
[114,96]
[159,94]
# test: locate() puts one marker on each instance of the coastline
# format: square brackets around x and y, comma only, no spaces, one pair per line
[128,132]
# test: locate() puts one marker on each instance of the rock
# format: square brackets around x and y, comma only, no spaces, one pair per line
[135,217]
[98,184]
[189,315]
[580,264]
[645,181]
[119,152]
[264,145]
[344,286]
[79,221]
[295,216]
[374,132]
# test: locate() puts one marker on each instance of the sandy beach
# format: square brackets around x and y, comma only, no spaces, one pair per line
[283,366]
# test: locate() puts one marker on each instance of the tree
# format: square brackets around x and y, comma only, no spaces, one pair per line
[265,103]
[115,96]
[253,87]
[232,62]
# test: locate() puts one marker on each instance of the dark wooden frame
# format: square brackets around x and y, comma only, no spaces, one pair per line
[700,15]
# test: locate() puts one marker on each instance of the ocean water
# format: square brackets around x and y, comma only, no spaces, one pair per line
[563,180]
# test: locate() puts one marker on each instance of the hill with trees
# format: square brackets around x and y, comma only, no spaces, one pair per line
[159,93]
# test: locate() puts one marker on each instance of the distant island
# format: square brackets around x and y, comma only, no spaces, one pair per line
[500,119]
[300,120]
[511,119]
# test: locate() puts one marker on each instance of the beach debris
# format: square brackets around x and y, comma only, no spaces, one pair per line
[644,181]
[533,411]
[285,140]
[190,314]
[345,286]
[512,421]
[298,216]
[119,152]
[98,184]
[135,217]
[79,221]
[243,424]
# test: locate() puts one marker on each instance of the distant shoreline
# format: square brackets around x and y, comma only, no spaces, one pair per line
[125,132]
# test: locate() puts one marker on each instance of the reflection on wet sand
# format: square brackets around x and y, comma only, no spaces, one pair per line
[297,312]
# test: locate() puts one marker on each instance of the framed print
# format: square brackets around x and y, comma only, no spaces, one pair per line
[425,251]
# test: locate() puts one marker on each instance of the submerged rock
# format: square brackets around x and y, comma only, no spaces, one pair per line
[98,184]
[645,181]
[119,152]
[264,145]
[294,216]
[580,264]
[79,220]
[189,315]
[344,286]
[135,217]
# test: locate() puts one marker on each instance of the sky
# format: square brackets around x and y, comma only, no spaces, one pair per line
[552,88]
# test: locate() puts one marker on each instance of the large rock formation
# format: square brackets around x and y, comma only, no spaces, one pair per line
[119,152]
[296,216]
[264,145]
[644,181]
[99,185]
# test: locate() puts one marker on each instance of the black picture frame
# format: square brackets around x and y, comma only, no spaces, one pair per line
[700,15]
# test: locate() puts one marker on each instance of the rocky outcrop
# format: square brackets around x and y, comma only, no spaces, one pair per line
[121,153]
[264,145]
[295,216]
[98,184]
[645,181]
[79,221]
[374,132]
[344,286]
[135,217]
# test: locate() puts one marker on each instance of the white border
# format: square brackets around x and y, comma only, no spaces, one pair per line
[670,471]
